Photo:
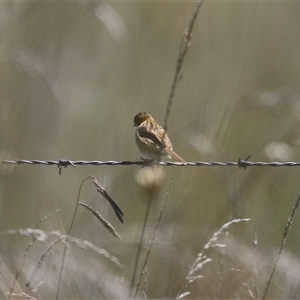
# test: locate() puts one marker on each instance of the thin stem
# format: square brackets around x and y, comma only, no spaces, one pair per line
[182,52]
[138,254]
[67,239]
[286,231]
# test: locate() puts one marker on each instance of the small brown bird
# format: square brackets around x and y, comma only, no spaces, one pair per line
[152,139]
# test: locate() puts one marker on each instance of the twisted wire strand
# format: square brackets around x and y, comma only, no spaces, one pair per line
[65,162]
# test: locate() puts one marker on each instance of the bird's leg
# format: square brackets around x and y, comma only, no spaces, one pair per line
[148,162]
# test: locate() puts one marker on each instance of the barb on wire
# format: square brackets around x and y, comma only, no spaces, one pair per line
[64,163]
[240,163]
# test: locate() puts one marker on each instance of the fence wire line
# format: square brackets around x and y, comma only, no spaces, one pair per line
[65,162]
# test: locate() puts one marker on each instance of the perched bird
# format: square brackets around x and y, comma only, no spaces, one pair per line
[152,139]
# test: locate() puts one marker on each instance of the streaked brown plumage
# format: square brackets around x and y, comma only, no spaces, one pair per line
[152,139]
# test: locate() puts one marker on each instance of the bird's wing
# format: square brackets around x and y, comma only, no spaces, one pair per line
[153,132]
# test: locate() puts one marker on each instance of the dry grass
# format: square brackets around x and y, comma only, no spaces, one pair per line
[73,77]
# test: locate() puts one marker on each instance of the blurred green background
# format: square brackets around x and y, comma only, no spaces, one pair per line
[73,75]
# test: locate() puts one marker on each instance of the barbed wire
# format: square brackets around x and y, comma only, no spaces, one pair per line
[241,163]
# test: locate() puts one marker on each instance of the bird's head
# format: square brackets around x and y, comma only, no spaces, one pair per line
[141,117]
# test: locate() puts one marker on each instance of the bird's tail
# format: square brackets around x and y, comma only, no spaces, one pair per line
[175,156]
